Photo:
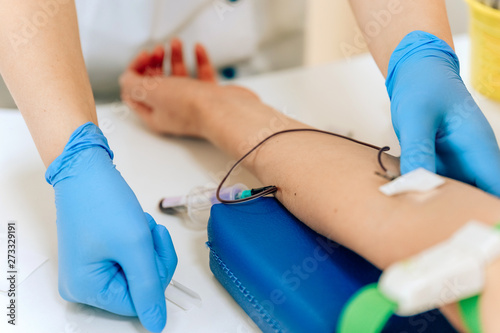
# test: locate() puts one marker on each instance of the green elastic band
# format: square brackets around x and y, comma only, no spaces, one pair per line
[469,310]
[367,311]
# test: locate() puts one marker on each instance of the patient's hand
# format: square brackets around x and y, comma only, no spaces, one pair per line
[165,103]
[169,104]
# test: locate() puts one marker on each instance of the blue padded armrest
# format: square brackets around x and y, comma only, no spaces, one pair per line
[287,277]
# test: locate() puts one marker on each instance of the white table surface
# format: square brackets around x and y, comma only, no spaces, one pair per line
[348,97]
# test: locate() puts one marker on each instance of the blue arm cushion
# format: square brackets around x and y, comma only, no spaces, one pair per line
[287,277]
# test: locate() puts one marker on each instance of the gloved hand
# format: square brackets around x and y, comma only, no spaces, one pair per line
[111,254]
[438,124]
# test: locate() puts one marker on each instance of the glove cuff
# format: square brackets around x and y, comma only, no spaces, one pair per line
[416,46]
[84,137]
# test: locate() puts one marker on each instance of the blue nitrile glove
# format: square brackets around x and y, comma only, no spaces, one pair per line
[111,254]
[438,124]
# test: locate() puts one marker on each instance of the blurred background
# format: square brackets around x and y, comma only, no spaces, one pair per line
[244,37]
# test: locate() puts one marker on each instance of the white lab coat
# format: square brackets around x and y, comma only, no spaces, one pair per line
[113,32]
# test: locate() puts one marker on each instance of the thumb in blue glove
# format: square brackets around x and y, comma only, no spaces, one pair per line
[111,254]
[438,124]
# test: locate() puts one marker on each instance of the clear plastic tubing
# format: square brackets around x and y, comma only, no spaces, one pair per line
[197,203]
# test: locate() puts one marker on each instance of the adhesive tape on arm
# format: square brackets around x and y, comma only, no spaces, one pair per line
[443,274]
[419,180]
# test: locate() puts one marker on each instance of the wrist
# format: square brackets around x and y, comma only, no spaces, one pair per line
[203,110]
[85,138]
[215,108]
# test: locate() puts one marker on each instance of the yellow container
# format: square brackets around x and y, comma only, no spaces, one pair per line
[485,47]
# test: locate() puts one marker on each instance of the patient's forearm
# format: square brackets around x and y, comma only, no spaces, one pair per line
[329,184]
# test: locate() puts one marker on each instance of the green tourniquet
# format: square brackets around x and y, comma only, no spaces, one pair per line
[245,194]
[367,311]
[469,311]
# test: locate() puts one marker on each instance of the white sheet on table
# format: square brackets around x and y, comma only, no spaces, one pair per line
[27,262]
